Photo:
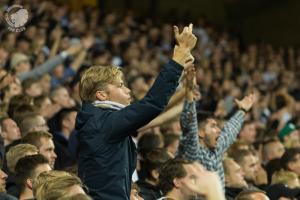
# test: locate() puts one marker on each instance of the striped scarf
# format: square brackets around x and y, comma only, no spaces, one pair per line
[108,104]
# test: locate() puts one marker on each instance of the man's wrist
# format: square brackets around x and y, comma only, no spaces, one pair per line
[243,110]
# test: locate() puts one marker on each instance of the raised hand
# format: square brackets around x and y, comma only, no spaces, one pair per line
[186,38]
[246,103]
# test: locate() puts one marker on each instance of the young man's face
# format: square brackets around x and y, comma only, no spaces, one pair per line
[118,92]
[212,133]
[249,166]
[235,177]
[47,150]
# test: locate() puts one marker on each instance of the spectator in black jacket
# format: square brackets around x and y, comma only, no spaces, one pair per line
[106,121]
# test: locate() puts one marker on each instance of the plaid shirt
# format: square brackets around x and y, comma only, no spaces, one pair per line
[190,147]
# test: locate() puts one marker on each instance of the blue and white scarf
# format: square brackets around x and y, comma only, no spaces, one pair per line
[108,104]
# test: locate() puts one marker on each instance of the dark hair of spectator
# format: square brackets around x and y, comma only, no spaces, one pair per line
[171,170]
[25,168]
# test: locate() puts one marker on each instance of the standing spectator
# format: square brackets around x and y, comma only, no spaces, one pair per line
[107,101]
[214,142]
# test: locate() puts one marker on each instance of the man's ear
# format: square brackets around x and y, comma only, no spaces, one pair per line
[29,183]
[155,174]
[201,133]
[101,95]
[3,134]
[290,166]
[176,182]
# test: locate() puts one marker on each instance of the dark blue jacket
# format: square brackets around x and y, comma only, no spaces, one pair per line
[107,154]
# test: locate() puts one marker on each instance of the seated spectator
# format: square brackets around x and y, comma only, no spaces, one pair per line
[27,169]
[252,195]
[151,166]
[272,149]
[43,141]
[171,143]
[181,179]
[10,130]
[234,179]
[56,184]
[291,160]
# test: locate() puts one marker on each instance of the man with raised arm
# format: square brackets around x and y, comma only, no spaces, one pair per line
[208,143]
[106,121]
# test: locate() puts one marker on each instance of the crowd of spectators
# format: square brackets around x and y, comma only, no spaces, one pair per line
[40,70]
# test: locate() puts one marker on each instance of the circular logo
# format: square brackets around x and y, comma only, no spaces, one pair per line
[16,17]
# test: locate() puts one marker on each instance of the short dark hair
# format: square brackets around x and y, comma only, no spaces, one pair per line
[25,168]
[148,142]
[154,161]
[171,170]
[289,156]
[246,194]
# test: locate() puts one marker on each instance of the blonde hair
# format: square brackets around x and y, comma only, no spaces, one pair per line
[17,152]
[97,78]
[283,177]
[54,185]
